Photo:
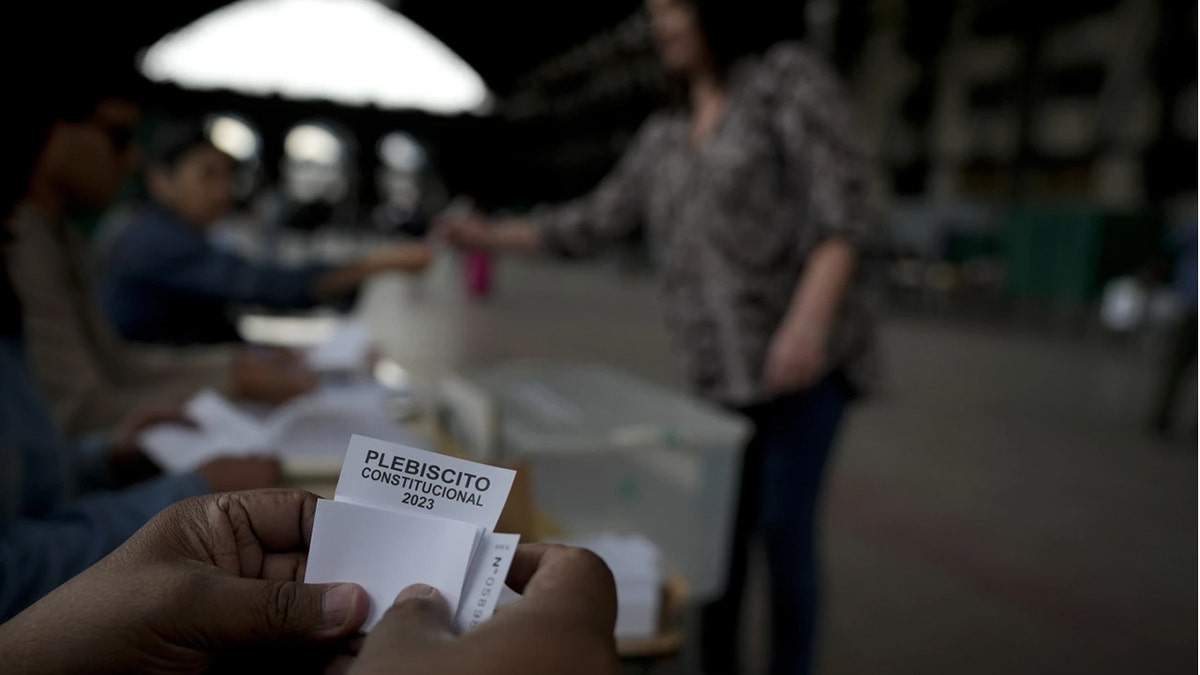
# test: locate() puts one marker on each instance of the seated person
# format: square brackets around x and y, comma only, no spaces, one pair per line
[59,512]
[91,378]
[165,282]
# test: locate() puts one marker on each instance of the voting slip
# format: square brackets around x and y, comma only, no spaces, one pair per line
[402,516]
[301,433]
[346,350]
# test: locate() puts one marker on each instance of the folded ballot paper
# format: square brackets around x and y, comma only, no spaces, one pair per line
[302,433]
[403,516]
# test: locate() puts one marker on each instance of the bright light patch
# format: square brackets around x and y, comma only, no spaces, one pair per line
[313,143]
[355,52]
[402,152]
[233,137]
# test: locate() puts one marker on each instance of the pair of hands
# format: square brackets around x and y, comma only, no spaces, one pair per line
[410,257]
[469,230]
[415,257]
[270,376]
[129,465]
[218,580]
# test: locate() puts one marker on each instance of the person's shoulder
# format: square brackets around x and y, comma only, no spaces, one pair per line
[793,64]
[148,240]
[656,125]
[793,79]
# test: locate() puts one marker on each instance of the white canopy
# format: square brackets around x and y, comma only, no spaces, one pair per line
[350,51]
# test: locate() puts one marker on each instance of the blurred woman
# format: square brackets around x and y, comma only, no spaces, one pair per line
[752,193]
[165,282]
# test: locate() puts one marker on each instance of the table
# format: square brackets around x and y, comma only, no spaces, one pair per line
[432,328]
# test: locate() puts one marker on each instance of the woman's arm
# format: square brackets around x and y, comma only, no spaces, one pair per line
[797,357]
[821,145]
[511,235]
[340,281]
[610,212]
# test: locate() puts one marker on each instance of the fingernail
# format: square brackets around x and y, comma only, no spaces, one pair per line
[337,603]
[416,592]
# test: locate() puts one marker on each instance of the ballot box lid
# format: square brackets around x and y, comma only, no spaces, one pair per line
[554,408]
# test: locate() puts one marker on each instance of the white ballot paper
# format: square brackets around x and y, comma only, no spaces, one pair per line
[402,516]
[301,432]
[346,349]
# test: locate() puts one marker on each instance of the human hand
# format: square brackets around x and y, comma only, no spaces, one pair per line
[411,257]
[796,359]
[124,439]
[127,463]
[230,474]
[469,230]
[270,376]
[207,577]
[562,623]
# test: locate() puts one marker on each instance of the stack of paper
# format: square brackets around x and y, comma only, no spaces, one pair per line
[402,516]
[305,433]
[346,350]
[636,567]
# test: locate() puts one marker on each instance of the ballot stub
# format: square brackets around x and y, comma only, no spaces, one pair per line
[485,580]
[402,516]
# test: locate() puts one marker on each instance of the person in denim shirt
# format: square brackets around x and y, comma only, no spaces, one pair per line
[62,507]
[165,282]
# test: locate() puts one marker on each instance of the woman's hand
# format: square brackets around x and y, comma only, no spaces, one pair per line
[563,623]
[205,577]
[125,435]
[796,359]
[465,231]
[411,257]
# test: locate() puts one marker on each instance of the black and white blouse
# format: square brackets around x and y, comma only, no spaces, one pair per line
[732,220]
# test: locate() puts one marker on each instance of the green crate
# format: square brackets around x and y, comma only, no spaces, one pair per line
[1063,253]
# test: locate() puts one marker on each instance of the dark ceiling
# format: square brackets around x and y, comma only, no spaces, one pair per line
[501,39]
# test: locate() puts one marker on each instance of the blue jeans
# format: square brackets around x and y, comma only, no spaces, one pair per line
[781,481]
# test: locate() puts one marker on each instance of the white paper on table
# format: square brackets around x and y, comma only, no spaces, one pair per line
[221,429]
[485,580]
[312,432]
[218,417]
[384,551]
[308,432]
[177,449]
[346,349]
[391,476]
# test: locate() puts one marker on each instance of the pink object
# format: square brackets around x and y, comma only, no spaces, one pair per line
[477,270]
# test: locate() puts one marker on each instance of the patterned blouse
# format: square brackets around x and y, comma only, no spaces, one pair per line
[731,221]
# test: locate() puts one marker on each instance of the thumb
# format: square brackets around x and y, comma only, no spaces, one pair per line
[252,611]
[418,611]
[418,617]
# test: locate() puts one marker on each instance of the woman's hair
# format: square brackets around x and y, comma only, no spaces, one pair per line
[737,28]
